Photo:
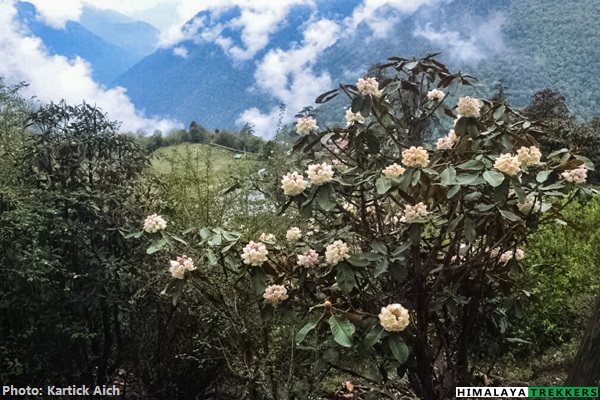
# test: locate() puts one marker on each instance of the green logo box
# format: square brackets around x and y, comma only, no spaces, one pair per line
[563,392]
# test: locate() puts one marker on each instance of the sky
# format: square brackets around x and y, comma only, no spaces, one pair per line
[286,75]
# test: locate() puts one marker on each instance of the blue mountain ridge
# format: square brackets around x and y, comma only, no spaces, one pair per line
[108,60]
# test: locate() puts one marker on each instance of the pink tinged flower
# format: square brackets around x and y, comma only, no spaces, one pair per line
[255,253]
[319,174]
[415,157]
[351,118]
[308,258]
[577,175]
[154,223]
[305,125]
[369,86]
[469,107]
[275,294]
[394,318]
[336,252]
[508,164]
[180,266]
[394,170]
[435,94]
[293,184]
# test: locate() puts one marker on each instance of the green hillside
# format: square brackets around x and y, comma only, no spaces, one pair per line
[202,158]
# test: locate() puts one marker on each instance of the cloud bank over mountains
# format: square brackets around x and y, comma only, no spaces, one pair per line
[243,30]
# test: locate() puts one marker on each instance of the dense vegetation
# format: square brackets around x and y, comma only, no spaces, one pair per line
[86,290]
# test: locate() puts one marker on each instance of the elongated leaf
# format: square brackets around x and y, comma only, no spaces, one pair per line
[258,278]
[472,165]
[326,197]
[342,330]
[494,178]
[374,336]
[345,278]
[357,104]
[542,176]
[177,291]
[383,184]
[509,216]
[381,267]
[470,232]
[379,247]
[448,176]
[312,323]
[398,347]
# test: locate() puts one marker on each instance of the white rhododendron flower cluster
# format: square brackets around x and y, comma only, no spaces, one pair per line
[306,125]
[435,94]
[394,170]
[469,107]
[394,318]
[448,141]
[532,205]
[353,117]
[293,234]
[308,258]
[319,173]
[508,255]
[293,184]
[336,252]
[529,156]
[275,294]
[255,253]
[179,266]
[415,157]
[508,164]
[413,213]
[369,86]
[495,252]
[154,223]
[267,237]
[577,175]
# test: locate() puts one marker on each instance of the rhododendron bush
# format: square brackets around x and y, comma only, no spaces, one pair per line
[413,259]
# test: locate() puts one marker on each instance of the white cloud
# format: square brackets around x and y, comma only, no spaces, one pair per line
[258,20]
[373,13]
[289,78]
[479,40]
[57,13]
[180,52]
[56,77]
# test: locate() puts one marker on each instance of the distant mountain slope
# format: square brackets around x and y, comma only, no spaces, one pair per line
[529,44]
[137,37]
[107,59]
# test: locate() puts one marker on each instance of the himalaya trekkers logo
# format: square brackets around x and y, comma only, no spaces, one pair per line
[548,392]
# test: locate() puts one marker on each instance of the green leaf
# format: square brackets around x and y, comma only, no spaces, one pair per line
[467,179]
[345,278]
[470,232]
[312,323]
[212,258]
[342,330]
[383,184]
[453,191]
[542,176]
[499,112]
[135,235]
[381,267]
[472,165]
[177,291]
[157,246]
[416,177]
[357,103]
[510,216]
[494,178]
[398,347]
[448,176]
[374,336]
[258,278]
[326,197]
[365,110]
[379,247]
